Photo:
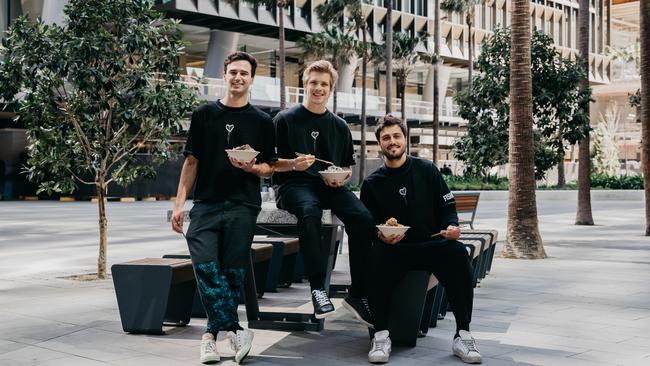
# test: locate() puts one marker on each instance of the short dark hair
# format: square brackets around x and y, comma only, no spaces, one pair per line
[387,121]
[240,56]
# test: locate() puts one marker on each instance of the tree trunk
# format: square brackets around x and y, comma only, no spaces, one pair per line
[561,179]
[389,55]
[101,203]
[583,215]
[645,107]
[436,91]
[523,239]
[364,72]
[470,51]
[402,88]
[282,63]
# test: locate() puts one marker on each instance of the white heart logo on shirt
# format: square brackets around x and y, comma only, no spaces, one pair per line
[229,128]
[402,191]
[314,134]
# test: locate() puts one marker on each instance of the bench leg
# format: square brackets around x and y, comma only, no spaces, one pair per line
[179,303]
[407,306]
[142,294]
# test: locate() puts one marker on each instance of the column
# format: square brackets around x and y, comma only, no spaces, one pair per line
[221,44]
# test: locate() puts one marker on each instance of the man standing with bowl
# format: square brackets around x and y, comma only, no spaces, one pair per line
[412,191]
[309,138]
[226,200]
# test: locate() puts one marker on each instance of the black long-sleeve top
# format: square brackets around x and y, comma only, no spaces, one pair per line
[415,194]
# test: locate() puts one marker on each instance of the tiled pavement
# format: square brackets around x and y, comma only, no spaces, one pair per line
[587,304]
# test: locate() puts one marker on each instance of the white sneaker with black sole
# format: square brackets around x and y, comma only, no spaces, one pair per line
[209,352]
[464,347]
[380,348]
[241,342]
[323,307]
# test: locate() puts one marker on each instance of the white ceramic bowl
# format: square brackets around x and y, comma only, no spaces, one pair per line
[392,230]
[335,176]
[243,156]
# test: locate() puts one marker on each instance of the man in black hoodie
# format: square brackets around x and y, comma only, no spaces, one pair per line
[412,191]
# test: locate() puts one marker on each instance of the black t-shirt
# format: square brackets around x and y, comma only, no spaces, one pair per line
[415,194]
[215,128]
[325,136]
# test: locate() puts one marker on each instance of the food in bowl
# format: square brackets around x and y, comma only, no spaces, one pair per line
[243,153]
[335,174]
[392,227]
[392,222]
[244,147]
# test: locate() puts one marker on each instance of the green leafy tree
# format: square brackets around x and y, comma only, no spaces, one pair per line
[351,13]
[333,45]
[556,100]
[93,93]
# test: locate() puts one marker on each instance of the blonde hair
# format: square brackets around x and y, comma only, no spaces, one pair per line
[321,66]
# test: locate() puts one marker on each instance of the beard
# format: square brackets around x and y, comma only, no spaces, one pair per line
[396,155]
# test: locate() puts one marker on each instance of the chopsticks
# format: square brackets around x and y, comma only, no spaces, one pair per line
[436,234]
[317,159]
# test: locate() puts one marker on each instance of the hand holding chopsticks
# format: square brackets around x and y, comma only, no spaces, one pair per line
[317,159]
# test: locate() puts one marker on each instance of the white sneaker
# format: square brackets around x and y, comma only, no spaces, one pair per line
[465,348]
[209,352]
[380,348]
[241,342]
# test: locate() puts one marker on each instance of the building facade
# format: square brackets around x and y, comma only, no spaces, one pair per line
[215,28]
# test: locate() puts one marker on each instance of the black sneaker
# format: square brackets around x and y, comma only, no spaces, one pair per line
[323,307]
[360,309]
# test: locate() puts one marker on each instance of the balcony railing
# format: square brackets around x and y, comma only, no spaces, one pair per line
[266,92]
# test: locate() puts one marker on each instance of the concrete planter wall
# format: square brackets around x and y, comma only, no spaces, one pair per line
[571,195]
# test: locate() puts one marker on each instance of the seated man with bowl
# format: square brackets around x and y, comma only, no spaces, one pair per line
[418,230]
[315,152]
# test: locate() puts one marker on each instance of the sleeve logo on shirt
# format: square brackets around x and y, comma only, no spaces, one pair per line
[448,197]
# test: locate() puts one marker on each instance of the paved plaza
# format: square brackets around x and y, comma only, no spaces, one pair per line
[587,304]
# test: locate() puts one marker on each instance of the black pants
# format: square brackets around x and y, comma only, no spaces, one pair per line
[447,260]
[306,201]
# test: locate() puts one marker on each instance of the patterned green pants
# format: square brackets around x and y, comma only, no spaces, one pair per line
[219,239]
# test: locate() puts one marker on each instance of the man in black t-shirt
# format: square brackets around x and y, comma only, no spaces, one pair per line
[413,191]
[226,200]
[304,133]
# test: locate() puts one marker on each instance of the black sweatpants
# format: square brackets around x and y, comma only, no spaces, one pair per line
[306,201]
[447,260]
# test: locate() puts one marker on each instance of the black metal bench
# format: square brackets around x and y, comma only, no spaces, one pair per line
[154,291]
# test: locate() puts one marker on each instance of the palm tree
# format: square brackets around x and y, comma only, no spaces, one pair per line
[389,55]
[467,7]
[436,71]
[523,239]
[645,106]
[583,215]
[280,5]
[333,45]
[334,11]
[404,59]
